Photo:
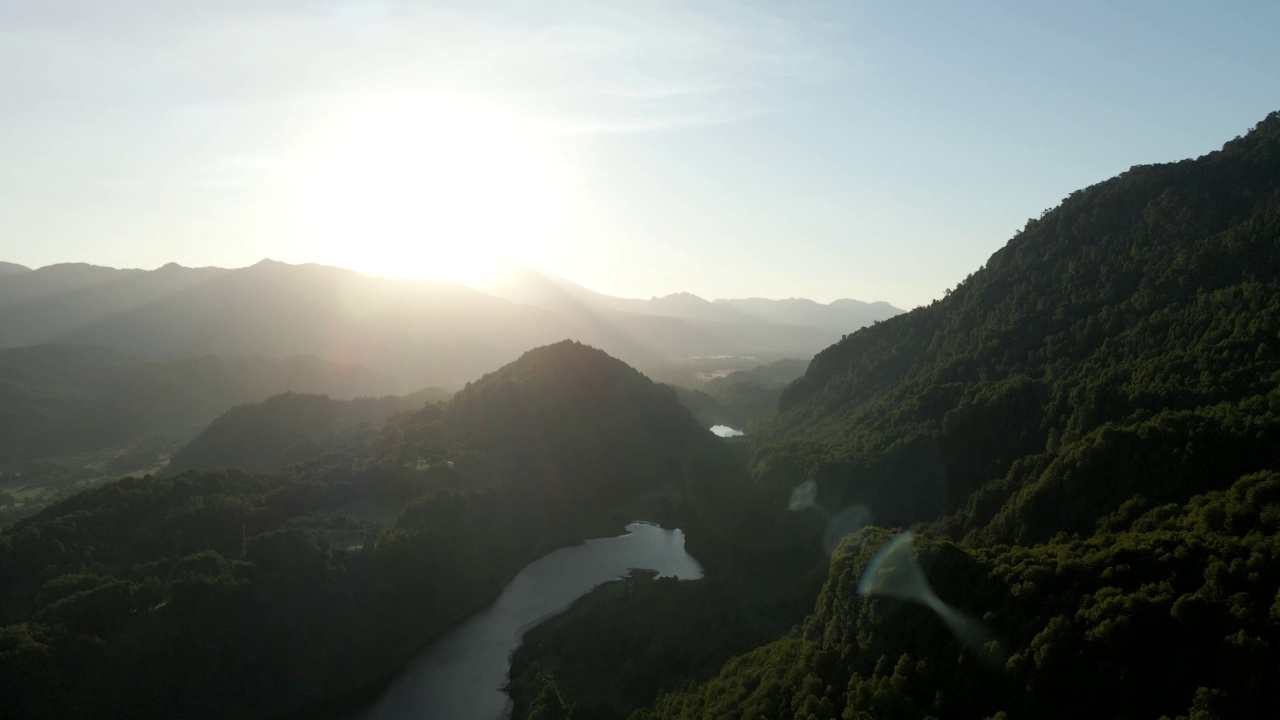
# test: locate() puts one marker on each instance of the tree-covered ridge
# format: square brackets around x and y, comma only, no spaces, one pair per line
[587,426]
[287,428]
[773,375]
[1091,418]
[1172,614]
[1140,318]
[740,399]
[263,593]
[741,405]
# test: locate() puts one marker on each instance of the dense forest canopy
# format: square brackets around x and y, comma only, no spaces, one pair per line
[741,398]
[265,592]
[1081,438]
[1085,434]
[288,428]
[1121,344]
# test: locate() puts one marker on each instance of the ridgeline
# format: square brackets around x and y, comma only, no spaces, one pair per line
[1085,433]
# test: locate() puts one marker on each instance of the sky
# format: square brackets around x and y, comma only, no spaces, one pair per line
[873,150]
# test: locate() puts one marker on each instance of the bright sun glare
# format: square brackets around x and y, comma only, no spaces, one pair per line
[438,189]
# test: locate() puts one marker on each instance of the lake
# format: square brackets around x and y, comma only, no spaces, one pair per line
[726,431]
[461,674]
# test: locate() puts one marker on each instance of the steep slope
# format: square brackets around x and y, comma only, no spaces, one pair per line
[1120,345]
[1174,616]
[1098,406]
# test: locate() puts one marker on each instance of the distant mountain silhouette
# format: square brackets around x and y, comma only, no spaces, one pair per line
[693,326]
[58,302]
[843,315]
[412,329]
[422,332]
[58,399]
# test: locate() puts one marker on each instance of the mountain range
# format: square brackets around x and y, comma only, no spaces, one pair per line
[419,332]
[1052,493]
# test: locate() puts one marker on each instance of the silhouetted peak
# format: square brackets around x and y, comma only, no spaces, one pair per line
[81,270]
[569,350]
[1264,136]
[562,364]
[852,304]
[679,300]
[8,268]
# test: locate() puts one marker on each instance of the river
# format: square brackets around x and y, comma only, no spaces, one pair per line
[461,675]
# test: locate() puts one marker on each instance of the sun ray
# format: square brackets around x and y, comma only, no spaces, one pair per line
[438,188]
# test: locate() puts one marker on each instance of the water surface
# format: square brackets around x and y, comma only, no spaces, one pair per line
[460,676]
[726,431]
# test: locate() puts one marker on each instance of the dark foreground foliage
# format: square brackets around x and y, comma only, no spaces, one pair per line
[1175,615]
[216,593]
[1087,434]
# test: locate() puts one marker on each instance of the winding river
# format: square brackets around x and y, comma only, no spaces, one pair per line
[461,675]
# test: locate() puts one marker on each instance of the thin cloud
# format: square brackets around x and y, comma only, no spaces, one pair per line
[619,68]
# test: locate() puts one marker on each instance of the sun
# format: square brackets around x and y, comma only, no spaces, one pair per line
[442,188]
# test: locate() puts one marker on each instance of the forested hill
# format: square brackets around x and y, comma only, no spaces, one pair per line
[287,428]
[581,425]
[262,593]
[1093,418]
[1124,343]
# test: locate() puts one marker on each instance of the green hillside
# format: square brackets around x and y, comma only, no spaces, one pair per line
[1176,616]
[1084,435]
[742,398]
[1123,344]
[774,375]
[287,428]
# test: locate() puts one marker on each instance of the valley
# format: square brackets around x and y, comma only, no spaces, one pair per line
[301,491]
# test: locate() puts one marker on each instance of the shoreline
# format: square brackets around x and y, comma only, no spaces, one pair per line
[349,703]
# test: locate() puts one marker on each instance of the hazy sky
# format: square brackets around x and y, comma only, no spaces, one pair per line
[876,150]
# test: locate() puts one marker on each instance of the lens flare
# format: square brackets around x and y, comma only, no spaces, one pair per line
[894,572]
[847,521]
[803,496]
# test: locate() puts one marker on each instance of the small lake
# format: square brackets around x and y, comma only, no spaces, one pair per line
[726,431]
[460,676]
